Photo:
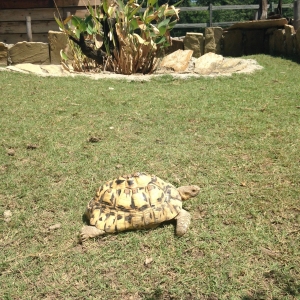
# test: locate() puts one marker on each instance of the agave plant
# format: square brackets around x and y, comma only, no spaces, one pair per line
[120,36]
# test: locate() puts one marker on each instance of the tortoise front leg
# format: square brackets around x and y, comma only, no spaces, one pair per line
[90,232]
[183,222]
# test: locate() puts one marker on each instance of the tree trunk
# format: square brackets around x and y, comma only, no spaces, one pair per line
[296,22]
[262,10]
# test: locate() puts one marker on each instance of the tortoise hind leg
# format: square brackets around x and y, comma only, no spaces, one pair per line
[90,232]
[183,222]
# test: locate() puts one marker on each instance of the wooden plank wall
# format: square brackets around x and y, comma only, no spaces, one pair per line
[13,13]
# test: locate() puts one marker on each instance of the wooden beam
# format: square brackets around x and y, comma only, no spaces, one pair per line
[6,4]
[20,27]
[15,38]
[10,15]
[72,3]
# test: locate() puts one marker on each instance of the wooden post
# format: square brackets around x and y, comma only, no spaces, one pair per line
[263,10]
[210,14]
[28,29]
[296,22]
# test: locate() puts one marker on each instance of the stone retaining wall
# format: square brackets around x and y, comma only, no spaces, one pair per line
[275,38]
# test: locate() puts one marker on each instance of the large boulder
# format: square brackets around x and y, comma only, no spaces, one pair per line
[29,52]
[289,39]
[57,41]
[207,63]
[213,37]
[177,61]
[194,41]
[3,54]
[233,43]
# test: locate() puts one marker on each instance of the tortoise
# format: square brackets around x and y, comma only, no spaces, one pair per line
[137,201]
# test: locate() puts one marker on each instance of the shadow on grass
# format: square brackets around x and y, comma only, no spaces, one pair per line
[293,58]
[285,282]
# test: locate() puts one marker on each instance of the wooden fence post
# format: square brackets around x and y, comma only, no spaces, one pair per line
[210,14]
[296,22]
[28,29]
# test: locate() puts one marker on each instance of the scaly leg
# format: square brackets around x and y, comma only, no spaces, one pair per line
[90,232]
[183,222]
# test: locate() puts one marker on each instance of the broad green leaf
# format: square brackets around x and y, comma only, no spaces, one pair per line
[150,18]
[160,40]
[90,29]
[76,21]
[105,5]
[162,30]
[88,19]
[161,10]
[59,23]
[178,3]
[163,23]
[134,12]
[91,10]
[172,24]
[134,24]
[77,33]
[151,2]
[63,55]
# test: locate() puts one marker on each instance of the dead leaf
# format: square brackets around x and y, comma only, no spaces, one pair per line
[148,261]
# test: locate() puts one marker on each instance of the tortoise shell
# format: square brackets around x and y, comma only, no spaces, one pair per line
[134,201]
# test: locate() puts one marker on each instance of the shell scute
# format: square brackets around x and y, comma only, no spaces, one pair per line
[133,201]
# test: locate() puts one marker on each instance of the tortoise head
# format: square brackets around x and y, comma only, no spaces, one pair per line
[188,191]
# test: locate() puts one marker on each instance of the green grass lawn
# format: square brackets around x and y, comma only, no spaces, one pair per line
[237,137]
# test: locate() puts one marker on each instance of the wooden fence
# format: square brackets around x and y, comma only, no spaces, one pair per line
[15,24]
[211,8]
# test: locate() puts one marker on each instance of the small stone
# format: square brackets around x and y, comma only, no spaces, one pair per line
[11,152]
[7,215]
[148,261]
